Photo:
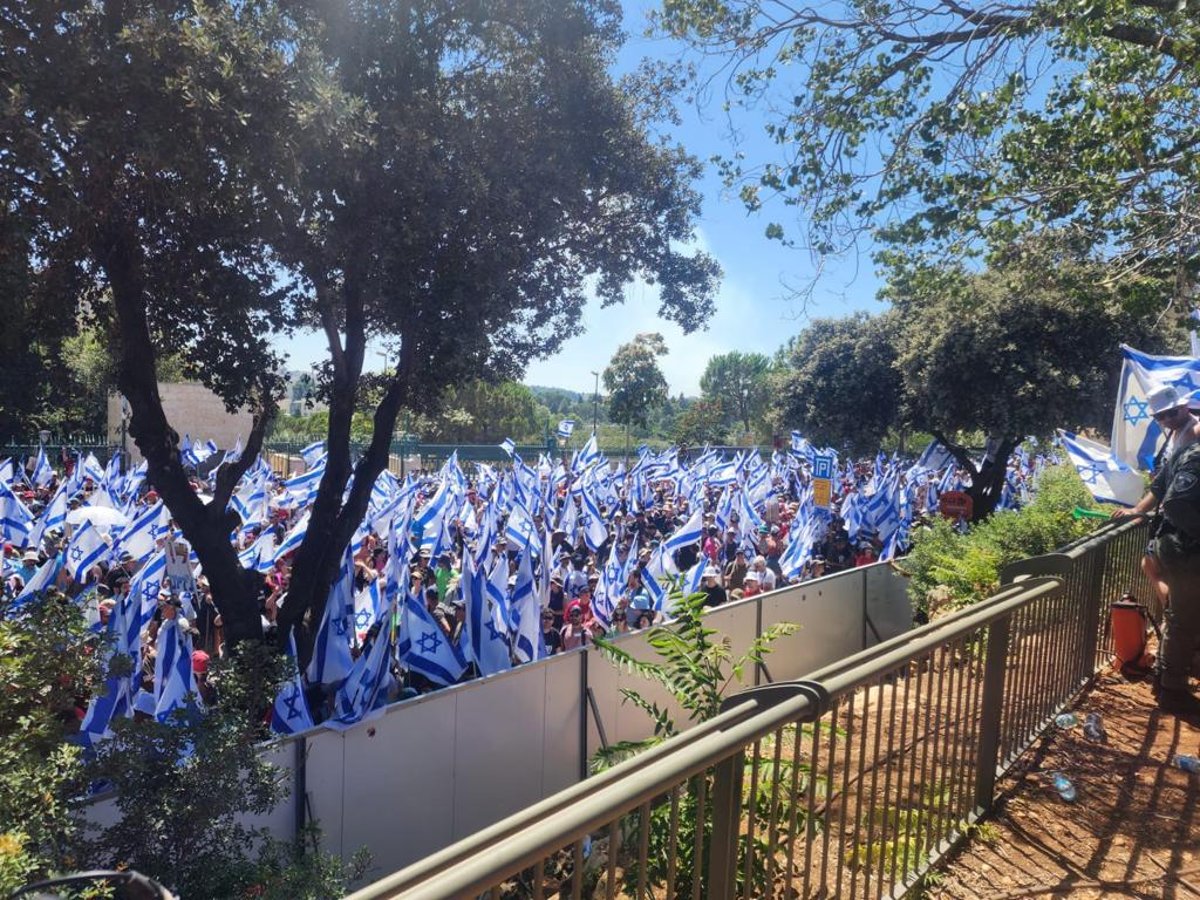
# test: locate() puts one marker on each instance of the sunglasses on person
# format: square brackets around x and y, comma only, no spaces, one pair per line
[1168,414]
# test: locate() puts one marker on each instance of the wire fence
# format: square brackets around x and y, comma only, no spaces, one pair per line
[851,783]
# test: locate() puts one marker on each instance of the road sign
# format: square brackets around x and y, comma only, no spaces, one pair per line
[822,466]
[822,493]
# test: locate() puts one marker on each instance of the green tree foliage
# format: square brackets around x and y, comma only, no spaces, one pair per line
[184,788]
[47,661]
[951,570]
[944,123]
[478,412]
[634,382]
[1026,346]
[837,382]
[702,422]
[450,180]
[739,383]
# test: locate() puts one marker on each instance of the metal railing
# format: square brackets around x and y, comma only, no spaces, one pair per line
[851,783]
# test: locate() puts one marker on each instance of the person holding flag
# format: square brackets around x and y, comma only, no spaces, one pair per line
[1172,560]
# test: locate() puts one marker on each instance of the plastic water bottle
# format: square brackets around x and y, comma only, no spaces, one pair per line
[1187,763]
[1093,728]
[1063,785]
[1066,720]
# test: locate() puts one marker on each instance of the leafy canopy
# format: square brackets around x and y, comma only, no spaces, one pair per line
[837,382]
[634,382]
[738,382]
[943,123]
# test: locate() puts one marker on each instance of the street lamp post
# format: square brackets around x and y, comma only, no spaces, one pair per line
[595,401]
[124,434]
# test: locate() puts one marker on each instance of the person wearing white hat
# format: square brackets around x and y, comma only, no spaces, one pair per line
[1170,412]
[711,585]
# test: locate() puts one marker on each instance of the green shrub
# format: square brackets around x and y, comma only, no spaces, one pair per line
[183,788]
[951,570]
[47,661]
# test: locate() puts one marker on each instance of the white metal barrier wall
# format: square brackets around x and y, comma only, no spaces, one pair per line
[437,768]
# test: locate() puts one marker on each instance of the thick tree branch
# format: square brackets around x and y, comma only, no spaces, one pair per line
[229,475]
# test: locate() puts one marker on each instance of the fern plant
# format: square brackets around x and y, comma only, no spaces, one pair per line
[693,667]
[697,668]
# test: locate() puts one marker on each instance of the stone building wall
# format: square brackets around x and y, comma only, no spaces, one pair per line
[191,409]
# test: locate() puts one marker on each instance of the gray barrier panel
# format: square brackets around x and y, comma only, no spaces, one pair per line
[434,769]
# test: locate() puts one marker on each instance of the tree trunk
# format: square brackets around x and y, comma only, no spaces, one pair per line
[205,527]
[988,484]
[331,526]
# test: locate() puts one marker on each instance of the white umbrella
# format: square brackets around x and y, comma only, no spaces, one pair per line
[99,516]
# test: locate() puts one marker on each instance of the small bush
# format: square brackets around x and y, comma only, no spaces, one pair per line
[951,570]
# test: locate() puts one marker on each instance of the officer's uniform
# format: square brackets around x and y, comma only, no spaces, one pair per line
[1177,547]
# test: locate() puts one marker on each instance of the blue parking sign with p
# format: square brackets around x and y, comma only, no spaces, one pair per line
[822,466]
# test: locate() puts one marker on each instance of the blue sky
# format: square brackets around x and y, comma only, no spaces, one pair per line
[756,308]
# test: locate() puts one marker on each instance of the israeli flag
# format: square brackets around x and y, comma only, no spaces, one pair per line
[295,537]
[366,687]
[291,714]
[565,427]
[42,473]
[144,587]
[174,682]
[486,643]
[138,538]
[588,454]
[687,534]
[259,556]
[87,548]
[509,446]
[595,531]
[693,579]
[313,453]
[1135,435]
[15,519]
[114,702]
[1108,478]
[426,649]
[42,579]
[526,613]
[934,457]
[331,661]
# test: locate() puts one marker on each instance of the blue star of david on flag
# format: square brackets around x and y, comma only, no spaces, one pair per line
[362,619]
[1090,473]
[1136,411]
[77,554]
[493,632]
[429,642]
[290,702]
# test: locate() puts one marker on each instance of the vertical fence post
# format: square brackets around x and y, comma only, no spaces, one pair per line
[583,713]
[991,708]
[1094,609]
[727,820]
[758,630]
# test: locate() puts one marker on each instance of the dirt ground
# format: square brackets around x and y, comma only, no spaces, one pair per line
[1132,831]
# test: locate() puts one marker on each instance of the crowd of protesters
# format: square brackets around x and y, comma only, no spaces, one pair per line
[587,584]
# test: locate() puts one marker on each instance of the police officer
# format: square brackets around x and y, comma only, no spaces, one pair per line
[1172,561]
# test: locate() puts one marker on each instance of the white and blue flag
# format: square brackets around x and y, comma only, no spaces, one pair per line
[87,548]
[291,714]
[1135,435]
[1109,479]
